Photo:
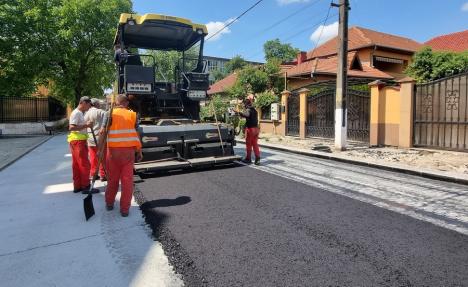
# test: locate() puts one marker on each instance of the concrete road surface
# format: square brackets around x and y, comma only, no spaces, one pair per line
[45,240]
[298,221]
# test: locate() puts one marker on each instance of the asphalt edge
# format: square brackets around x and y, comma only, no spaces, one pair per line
[48,137]
[178,258]
[425,174]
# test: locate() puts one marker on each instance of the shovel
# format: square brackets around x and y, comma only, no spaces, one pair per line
[88,200]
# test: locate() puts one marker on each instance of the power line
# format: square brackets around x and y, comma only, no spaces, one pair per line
[300,32]
[284,19]
[234,20]
[321,31]
[289,16]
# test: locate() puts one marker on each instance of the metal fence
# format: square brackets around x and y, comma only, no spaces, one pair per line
[30,109]
[441,113]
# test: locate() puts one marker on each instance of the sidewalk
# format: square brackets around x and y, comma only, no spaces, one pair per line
[14,147]
[436,164]
[47,242]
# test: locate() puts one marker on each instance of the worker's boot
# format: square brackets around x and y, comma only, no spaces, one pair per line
[247,161]
[257,161]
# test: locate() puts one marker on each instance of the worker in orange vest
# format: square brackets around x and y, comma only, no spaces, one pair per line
[123,147]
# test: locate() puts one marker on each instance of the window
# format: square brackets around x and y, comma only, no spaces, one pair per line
[266,112]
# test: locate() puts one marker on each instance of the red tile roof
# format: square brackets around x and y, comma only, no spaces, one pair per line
[456,42]
[328,66]
[359,37]
[223,84]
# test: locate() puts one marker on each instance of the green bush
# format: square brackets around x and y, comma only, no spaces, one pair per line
[265,99]
[428,65]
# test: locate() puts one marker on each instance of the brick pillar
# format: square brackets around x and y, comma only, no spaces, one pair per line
[376,116]
[406,112]
[284,112]
[303,93]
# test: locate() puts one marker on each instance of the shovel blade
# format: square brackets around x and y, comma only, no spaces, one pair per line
[88,206]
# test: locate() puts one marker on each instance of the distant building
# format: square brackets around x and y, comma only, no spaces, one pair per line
[217,63]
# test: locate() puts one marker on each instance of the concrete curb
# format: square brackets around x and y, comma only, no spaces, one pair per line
[25,153]
[391,167]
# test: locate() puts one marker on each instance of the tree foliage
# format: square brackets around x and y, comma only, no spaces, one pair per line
[265,99]
[218,74]
[274,49]
[218,105]
[67,43]
[258,79]
[168,61]
[234,64]
[428,65]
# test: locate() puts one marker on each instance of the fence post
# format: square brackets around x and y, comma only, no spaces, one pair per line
[406,112]
[1,110]
[35,106]
[303,93]
[284,112]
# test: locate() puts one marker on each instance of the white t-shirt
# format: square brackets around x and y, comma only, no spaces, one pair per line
[97,117]
[77,118]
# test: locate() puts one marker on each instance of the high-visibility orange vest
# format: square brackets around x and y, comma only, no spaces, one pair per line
[122,131]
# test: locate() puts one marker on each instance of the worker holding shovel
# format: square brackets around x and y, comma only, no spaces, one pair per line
[78,147]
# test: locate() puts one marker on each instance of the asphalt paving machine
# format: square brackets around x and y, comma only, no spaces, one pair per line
[168,107]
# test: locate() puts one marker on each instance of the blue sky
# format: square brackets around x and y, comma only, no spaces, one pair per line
[416,19]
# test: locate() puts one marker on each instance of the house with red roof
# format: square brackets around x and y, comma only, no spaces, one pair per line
[371,55]
[454,42]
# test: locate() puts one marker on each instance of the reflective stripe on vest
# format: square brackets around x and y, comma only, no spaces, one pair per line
[76,136]
[122,132]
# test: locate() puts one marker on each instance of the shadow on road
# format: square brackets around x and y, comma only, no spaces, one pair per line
[166,202]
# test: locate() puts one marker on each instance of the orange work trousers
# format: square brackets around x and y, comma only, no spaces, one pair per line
[120,168]
[251,141]
[93,158]
[80,164]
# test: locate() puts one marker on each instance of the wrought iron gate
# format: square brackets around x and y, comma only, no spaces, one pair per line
[293,115]
[441,113]
[321,114]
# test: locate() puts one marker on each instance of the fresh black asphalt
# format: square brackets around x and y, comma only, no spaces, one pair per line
[239,226]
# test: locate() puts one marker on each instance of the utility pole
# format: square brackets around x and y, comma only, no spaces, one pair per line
[341,77]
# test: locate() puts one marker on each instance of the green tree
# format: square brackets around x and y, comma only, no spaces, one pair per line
[234,64]
[167,61]
[275,49]
[64,42]
[252,79]
[25,45]
[83,60]
[218,105]
[428,65]
[218,75]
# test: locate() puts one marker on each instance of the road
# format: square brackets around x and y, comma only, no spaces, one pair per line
[299,221]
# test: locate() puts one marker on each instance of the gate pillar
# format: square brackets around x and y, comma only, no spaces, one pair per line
[303,93]
[284,112]
[377,113]
[406,112]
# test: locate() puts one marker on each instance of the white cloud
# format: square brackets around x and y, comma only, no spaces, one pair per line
[286,2]
[329,31]
[465,7]
[214,27]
